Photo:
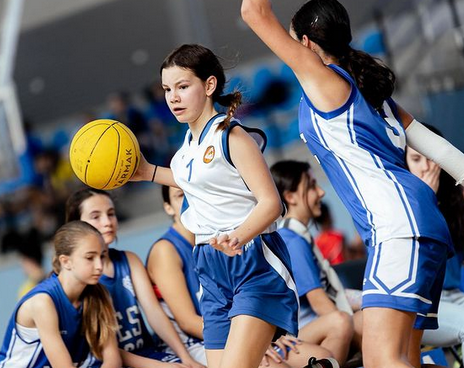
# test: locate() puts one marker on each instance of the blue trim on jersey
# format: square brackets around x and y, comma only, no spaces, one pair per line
[250,131]
[185,205]
[392,177]
[344,107]
[207,127]
[225,142]
[345,168]
[410,273]
[350,130]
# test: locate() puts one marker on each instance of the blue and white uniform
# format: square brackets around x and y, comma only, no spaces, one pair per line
[362,153]
[307,274]
[194,345]
[217,200]
[22,346]
[132,334]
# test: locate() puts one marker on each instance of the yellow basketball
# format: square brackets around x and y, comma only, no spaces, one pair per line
[104,154]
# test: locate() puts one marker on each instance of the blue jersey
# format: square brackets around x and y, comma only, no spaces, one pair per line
[306,272]
[132,334]
[184,249]
[19,352]
[362,152]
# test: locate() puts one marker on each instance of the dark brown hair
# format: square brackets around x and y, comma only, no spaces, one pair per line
[326,22]
[204,64]
[74,202]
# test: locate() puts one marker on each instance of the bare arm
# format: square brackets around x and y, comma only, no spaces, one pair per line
[251,165]
[325,88]
[320,302]
[111,356]
[133,360]
[40,312]
[156,317]
[146,170]
[165,270]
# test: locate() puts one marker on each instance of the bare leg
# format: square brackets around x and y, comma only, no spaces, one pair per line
[386,336]
[357,336]
[333,331]
[248,339]
[414,350]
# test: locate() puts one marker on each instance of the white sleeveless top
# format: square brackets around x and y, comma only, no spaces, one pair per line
[216,199]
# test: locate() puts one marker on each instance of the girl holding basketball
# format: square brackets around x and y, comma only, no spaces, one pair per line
[231,205]
[67,315]
[358,133]
[127,281]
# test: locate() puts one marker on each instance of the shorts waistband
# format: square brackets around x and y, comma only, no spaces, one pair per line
[204,238]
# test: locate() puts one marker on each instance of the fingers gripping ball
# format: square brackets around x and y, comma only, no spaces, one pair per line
[104,154]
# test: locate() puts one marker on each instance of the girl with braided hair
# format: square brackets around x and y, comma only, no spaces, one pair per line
[248,296]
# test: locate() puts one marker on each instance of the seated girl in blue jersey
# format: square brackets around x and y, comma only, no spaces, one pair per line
[358,133]
[171,266]
[323,318]
[231,205]
[68,314]
[451,203]
[128,283]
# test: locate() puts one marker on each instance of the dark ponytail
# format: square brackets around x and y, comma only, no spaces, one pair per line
[204,64]
[326,22]
[374,79]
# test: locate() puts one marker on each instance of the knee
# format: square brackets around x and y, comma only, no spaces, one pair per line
[342,323]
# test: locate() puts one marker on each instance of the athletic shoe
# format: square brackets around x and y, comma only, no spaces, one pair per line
[322,363]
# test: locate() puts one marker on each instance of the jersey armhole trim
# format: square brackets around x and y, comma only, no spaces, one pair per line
[353,93]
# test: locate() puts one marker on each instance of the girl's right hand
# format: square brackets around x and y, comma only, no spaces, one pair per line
[226,245]
[144,171]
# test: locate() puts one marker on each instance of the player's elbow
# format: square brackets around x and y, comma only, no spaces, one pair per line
[275,208]
[250,12]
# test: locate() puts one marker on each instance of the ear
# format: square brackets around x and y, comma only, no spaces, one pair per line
[211,84]
[65,262]
[168,209]
[290,198]
[306,42]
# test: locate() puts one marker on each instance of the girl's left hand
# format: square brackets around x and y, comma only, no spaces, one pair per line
[226,245]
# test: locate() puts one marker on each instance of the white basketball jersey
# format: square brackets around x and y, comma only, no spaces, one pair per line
[217,199]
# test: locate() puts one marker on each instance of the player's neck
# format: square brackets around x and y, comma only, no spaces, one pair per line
[197,126]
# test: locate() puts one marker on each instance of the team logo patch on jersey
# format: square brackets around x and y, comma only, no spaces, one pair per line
[127,283]
[209,155]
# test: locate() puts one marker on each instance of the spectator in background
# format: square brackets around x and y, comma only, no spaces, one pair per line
[330,241]
[451,203]
[158,118]
[31,255]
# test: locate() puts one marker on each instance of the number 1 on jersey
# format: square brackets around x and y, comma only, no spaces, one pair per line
[190,165]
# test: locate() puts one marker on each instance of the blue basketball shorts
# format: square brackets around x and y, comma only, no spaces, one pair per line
[258,283]
[406,274]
